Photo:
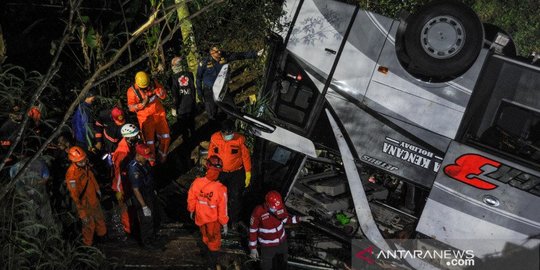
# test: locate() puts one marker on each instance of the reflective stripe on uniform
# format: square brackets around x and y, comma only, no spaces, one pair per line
[273,230]
[206,203]
[253,243]
[272,241]
[253,230]
[149,142]
[164,135]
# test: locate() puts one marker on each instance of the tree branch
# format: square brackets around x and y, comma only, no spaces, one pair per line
[53,69]
[89,84]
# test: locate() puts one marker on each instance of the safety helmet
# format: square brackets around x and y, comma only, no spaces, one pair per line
[214,162]
[142,80]
[273,200]
[76,154]
[129,130]
[118,116]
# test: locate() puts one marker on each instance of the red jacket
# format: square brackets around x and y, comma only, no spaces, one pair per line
[267,228]
[120,164]
[208,199]
[233,153]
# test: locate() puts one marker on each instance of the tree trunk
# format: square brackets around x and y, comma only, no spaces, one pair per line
[187,35]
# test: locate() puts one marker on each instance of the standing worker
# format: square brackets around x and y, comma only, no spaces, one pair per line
[84,191]
[82,123]
[208,71]
[121,157]
[267,227]
[183,93]
[143,98]
[207,203]
[230,147]
[140,177]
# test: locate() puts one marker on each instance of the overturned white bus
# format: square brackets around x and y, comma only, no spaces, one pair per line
[422,127]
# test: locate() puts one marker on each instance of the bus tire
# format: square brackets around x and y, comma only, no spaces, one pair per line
[442,40]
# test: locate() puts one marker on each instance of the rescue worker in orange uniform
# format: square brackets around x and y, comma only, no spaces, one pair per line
[267,227]
[230,147]
[207,204]
[143,98]
[84,191]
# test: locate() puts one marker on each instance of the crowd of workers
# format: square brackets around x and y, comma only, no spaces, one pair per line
[104,146]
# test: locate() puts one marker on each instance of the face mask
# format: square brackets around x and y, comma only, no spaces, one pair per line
[228,137]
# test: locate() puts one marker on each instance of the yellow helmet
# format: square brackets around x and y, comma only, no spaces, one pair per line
[141,79]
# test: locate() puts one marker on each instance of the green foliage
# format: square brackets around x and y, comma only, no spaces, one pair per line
[520,19]
[517,18]
[32,242]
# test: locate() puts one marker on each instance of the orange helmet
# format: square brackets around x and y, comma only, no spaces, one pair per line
[273,200]
[214,162]
[76,154]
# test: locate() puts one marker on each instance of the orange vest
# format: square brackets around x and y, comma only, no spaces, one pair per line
[153,107]
[233,153]
[76,179]
[208,199]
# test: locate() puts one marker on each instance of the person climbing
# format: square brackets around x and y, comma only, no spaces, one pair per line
[85,193]
[207,205]
[143,98]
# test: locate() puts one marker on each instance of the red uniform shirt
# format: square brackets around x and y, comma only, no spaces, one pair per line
[268,228]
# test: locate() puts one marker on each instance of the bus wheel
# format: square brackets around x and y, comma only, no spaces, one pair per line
[442,40]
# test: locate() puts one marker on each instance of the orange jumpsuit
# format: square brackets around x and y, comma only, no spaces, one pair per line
[86,200]
[233,153]
[118,158]
[208,199]
[152,117]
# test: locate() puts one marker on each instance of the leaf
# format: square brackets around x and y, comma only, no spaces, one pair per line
[91,38]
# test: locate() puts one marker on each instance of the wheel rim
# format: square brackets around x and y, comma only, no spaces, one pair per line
[442,37]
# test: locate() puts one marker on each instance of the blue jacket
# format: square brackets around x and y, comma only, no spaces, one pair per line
[82,124]
[140,176]
[209,68]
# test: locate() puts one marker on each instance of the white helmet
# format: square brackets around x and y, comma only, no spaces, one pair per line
[129,130]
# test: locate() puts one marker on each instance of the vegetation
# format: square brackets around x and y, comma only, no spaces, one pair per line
[102,45]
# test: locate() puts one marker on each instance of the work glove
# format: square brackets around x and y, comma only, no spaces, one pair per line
[225,230]
[192,215]
[99,145]
[146,211]
[85,220]
[173,112]
[306,218]
[248,178]
[119,196]
[254,254]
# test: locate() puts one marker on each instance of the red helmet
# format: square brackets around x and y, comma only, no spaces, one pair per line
[215,163]
[76,154]
[273,200]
